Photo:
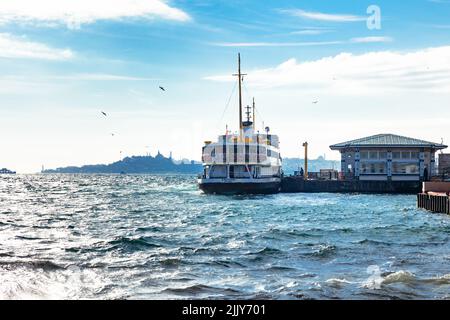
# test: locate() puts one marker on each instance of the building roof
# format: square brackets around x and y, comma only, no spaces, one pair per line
[388,140]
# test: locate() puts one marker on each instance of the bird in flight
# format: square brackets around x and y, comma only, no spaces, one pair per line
[104,113]
[162,88]
[315,102]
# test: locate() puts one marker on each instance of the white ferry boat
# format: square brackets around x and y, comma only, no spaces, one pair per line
[245,162]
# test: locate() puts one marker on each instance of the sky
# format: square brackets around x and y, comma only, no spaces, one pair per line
[372,67]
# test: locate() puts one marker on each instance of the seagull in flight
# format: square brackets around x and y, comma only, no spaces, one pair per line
[104,113]
[315,102]
[162,88]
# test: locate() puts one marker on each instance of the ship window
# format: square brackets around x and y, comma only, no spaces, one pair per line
[218,172]
[239,171]
[273,154]
[382,155]
[364,155]
[414,155]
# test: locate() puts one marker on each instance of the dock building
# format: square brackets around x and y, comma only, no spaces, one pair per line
[388,157]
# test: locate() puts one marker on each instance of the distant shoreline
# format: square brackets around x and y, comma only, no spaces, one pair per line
[162,165]
[135,165]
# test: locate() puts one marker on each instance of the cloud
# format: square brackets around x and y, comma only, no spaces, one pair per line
[74,13]
[311,31]
[15,47]
[100,77]
[303,44]
[371,39]
[319,16]
[275,44]
[48,84]
[372,72]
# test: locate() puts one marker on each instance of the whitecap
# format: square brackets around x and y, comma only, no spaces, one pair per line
[399,276]
[235,244]
[336,282]
[441,280]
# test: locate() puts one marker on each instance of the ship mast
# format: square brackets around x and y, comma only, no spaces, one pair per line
[240,76]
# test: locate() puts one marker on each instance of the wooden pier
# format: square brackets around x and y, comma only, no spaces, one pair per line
[435,197]
[434,203]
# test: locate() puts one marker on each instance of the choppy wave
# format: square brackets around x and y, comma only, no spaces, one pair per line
[131,244]
[44,265]
[399,277]
[157,236]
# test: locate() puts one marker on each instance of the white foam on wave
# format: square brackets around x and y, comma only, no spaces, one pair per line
[337,282]
[376,281]
[31,284]
[399,276]
[235,244]
[291,284]
[440,280]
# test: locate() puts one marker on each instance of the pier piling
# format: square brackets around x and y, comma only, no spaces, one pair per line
[435,197]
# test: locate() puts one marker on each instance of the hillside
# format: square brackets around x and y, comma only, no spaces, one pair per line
[136,164]
[161,164]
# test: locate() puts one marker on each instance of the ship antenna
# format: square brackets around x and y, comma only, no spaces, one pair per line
[240,77]
[248,113]
[254,119]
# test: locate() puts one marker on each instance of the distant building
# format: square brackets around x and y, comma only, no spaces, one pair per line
[444,164]
[6,171]
[388,157]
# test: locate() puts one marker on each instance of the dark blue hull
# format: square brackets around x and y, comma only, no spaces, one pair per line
[240,188]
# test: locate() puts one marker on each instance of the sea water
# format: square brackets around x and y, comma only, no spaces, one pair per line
[159,237]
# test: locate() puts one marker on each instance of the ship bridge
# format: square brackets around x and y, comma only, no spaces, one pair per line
[257,149]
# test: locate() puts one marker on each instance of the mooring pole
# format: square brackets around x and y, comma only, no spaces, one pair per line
[305,175]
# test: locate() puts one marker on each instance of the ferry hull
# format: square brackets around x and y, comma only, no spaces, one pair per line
[240,188]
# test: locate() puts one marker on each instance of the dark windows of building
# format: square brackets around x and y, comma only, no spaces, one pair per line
[405,168]
[373,155]
[373,168]
[396,155]
[406,155]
